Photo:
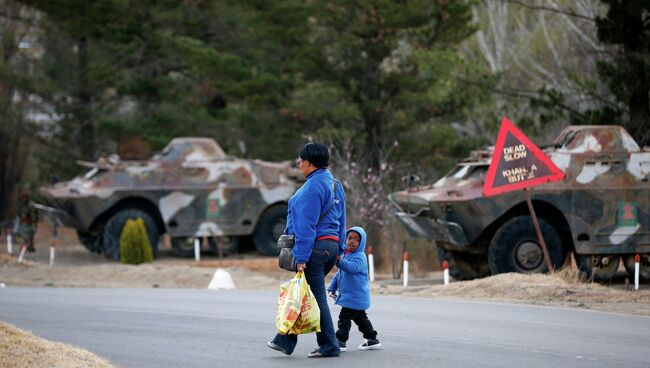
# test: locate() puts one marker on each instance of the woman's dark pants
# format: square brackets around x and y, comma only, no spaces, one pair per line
[323,258]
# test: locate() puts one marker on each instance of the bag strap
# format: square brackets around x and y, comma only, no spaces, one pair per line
[322,216]
[334,181]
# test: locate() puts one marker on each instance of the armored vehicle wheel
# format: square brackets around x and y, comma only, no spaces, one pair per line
[113,230]
[229,244]
[184,246]
[597,266]
[516,248]
[644,266]
[269,228]
[464,266]
[89,241]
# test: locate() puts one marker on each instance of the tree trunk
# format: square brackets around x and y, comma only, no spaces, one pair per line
[373,129]
[6,197]
[626,25]
[639,100]
[13,155]
[11,161]
[87,128]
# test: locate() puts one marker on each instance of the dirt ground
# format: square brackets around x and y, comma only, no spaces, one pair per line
[562,289]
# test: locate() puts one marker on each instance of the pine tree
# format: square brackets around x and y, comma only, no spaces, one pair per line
[628,74]
[387,72]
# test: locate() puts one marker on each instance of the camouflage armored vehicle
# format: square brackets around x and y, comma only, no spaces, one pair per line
[192,189]
[600,211]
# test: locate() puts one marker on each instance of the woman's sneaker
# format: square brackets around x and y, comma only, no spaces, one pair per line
[343,346]
[371,344]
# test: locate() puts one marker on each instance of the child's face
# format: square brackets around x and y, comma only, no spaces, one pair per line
[353,240]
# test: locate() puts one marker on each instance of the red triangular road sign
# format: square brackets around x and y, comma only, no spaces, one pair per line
[517,163]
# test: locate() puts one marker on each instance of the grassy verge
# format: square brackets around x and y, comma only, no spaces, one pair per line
[19,348]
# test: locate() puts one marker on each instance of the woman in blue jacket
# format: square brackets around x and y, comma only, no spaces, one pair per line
[316,217]
[351,281]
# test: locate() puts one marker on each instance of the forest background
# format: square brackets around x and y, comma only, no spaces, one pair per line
[394,87]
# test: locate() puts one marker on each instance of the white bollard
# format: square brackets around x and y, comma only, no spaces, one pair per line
[445,272]
[21,256]
[637,261]
[221,280]
[10,247]
[406,269]
[371,265]
[51,256]
[197,249]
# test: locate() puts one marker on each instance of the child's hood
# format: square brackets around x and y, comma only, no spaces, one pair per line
[362,234]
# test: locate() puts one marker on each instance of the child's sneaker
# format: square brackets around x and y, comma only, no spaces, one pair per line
[343,346]
[372,344]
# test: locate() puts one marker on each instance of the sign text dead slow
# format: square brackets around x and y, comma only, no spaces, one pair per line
[517,163]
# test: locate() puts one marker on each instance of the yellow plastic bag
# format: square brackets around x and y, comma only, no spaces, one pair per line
[309,319]
[298,311]
[289,303]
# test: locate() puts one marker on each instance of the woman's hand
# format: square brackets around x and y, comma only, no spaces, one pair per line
[300,267]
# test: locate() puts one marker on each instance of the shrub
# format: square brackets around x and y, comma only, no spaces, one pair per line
[134,243]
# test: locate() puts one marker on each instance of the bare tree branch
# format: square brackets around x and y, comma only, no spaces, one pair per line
[551,46]
[547,8]
[585,8]
[493,44]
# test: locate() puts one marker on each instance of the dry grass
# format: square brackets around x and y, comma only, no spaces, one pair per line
[563,288]
[570,275]
[6,259]
[20,348]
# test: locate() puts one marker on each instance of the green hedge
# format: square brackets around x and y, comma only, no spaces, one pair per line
[134,243]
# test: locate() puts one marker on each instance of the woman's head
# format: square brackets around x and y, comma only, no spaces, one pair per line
[314,156]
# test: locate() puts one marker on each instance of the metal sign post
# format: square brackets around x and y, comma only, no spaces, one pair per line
[542,243]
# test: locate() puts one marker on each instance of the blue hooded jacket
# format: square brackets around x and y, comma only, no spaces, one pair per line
[351,280]
[305,208]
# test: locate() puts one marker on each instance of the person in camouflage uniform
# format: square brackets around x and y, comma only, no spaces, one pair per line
[26,220]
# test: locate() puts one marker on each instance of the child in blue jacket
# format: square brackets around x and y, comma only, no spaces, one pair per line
[351,281]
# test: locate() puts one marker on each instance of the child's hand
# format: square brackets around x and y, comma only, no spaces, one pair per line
[332,294]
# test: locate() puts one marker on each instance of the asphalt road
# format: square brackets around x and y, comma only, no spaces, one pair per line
[201,328]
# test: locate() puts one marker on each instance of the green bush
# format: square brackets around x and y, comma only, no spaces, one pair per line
[134,243]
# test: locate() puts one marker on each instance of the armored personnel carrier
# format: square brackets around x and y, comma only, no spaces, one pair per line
[192,189]
[600,211]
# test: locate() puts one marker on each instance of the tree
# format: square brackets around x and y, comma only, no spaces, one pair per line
[158,70]
[569,62]
[627,27]
[543,54]
[388,76]
[19,78]
[391,67]
[82,21]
